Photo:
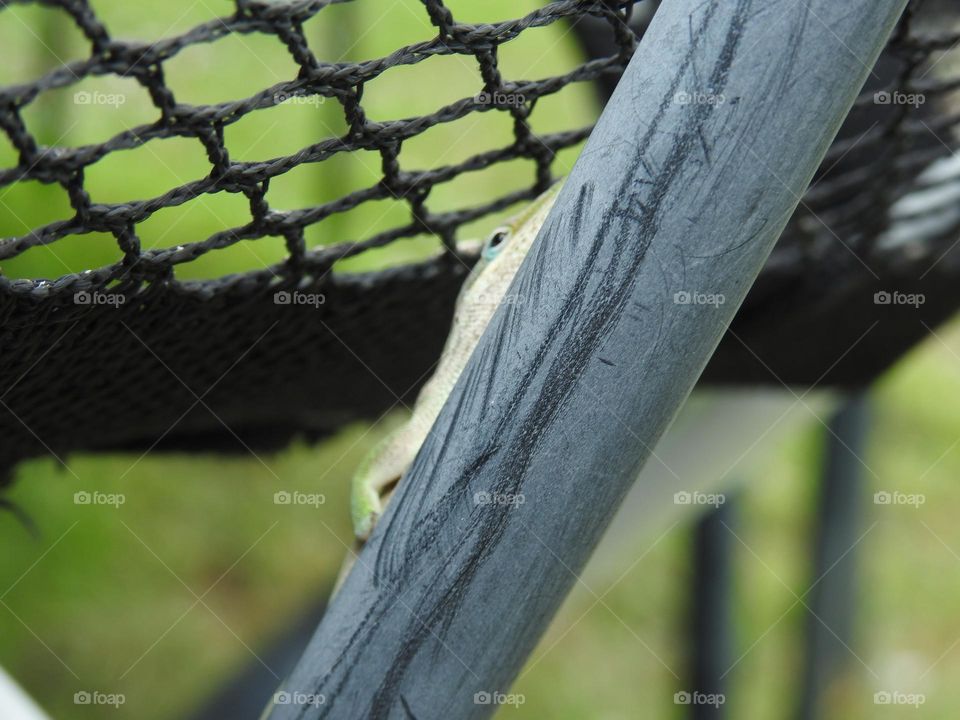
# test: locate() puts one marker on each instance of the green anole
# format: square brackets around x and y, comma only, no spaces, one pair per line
[482,293]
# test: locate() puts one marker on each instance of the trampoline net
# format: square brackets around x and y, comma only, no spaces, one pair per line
[317,80]
[128,354]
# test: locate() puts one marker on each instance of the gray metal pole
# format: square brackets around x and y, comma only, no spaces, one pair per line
[698,161]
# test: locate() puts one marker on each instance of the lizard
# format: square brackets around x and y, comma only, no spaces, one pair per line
[483,291]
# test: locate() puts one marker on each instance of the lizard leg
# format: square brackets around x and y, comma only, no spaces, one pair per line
[369,494]
[375,480]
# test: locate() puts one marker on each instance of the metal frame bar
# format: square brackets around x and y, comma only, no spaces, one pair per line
[712,599]
[830,620]
[699,159]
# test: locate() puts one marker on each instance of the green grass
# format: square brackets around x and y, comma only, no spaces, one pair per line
[107,598]
[909,566]
[113,601]
[109,592]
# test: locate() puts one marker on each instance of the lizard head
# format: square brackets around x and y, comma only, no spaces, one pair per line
[508,245]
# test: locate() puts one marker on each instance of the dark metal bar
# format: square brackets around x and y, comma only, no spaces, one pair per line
[830,626]
[712,612]
[241,697]
[700,157]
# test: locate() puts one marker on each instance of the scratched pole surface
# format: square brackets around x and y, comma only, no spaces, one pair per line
[682,190]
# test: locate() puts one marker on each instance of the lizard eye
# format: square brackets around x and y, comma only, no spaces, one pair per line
[496,243]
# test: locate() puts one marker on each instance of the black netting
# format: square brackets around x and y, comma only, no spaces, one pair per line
[343,82]
[220,364]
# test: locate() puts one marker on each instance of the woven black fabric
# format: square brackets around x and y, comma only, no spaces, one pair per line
[220,365]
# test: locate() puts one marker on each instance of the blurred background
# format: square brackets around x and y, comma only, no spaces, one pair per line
[195,574]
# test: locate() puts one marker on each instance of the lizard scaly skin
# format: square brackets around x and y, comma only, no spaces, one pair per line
[482,293]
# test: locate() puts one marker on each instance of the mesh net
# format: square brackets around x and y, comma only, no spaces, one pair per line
[128,354]
[316,80]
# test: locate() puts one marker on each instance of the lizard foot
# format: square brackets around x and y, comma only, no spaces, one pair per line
[366,505]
